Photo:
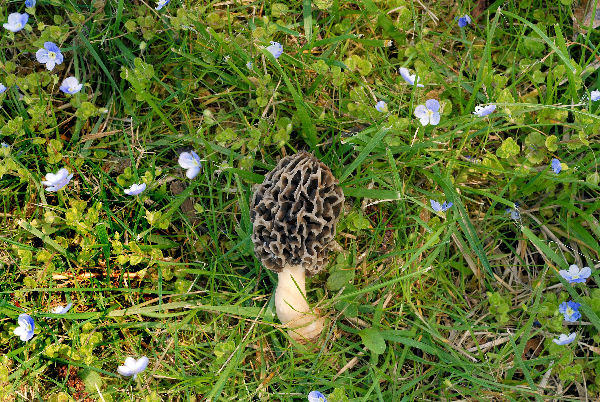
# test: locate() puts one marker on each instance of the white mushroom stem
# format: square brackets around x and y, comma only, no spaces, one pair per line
[291,306]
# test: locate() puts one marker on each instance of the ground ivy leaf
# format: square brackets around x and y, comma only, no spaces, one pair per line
[508,148]
[551,143]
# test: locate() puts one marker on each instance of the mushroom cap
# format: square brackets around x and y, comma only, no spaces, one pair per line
[294,213]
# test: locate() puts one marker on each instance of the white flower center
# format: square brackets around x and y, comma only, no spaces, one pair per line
[72,89]
[576,276]
[51,55]
[570,311]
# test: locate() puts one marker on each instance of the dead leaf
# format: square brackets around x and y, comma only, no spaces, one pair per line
[582,15]
[479,8]
[532,348]
[187,207]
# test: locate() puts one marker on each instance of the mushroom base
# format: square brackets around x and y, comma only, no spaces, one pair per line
[306,328]
[292,308]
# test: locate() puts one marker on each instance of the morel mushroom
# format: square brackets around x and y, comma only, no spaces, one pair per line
[294,213]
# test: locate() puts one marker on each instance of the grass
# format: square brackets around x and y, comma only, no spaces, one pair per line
[420,305]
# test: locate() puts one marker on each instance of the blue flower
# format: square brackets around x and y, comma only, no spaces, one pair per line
[482,111]
[249,65]
[276,49]
[135,189]
[565,339]
[2,88]
[16,22]
[133,367]
[595,95]
[25,328]
[381,106]
[61,309]
[464,21]
[437,207]
[410,79]
[29,3]
[316,396]
[556,166]
[514,213]
[50,55]
[56,181]
[161,4]
[570,310]
[191,162]
[428,113]
[70,86]
[576,275]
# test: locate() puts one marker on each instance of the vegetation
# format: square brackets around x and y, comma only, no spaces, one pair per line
[423,300]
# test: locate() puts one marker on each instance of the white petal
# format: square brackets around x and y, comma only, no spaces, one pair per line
[573,270]
[433,105]
[135,189]
[421,111]
[585,272]
[125,370]
[42,56]
[61,309]
[22,320]
[62,174]
[186,160]
[410,79]
[435,119]
[424,120]
[52,177]
[141,364]
[192,172]
[130,361]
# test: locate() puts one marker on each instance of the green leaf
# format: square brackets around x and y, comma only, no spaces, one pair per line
[593,178]
[534,143]
[373,340]
[45,238]
[92,380]
[557,44]
[338,395]
[308,22]
[308,127]
[508,148]
[551,143]
[339,278]
[373,142]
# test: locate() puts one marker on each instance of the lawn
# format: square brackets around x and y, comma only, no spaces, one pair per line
[462,137]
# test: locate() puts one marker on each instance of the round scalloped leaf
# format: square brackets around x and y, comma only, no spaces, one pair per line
[508,148]
[551,143]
